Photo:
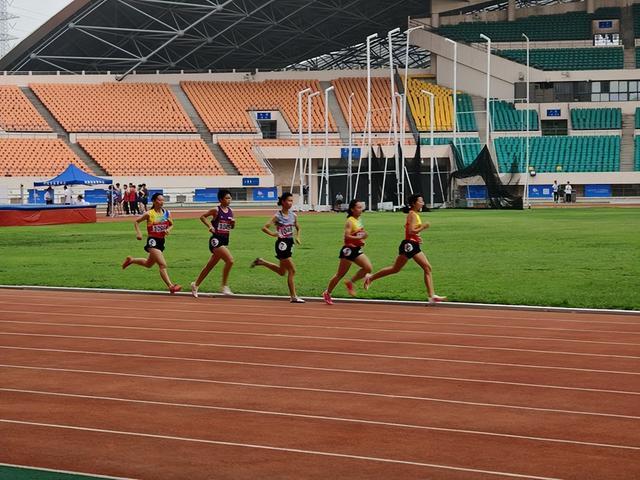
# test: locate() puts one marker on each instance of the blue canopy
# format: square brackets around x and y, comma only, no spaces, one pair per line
[74,176]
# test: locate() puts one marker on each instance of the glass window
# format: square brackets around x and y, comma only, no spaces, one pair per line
[633,96]
[614,97]
[604,97]
[613,86]
[595,87]
[633,86]
[622,86]
[623,97]
[595,97]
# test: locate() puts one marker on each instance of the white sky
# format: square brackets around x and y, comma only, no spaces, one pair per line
[32,13]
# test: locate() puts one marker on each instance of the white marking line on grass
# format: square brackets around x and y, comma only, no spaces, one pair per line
[430,399]
[278,365]
[137,296]
[342,301]
[278,449]
[282,335]
[322,417]
[313,317]
[344,392]
[66,472]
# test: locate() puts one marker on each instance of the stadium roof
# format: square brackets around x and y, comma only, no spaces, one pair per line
[199,35]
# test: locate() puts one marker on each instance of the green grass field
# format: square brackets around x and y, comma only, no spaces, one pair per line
[559,257]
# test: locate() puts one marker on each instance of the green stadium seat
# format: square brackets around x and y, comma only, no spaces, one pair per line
[504,117]
[596,118]
[591,58]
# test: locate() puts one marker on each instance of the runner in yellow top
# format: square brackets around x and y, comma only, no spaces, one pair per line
[351,252]
[410,249]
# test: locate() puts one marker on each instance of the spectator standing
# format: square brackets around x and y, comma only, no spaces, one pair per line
[67,195]
[49,196]
[133,200]
[117,199]
[110,196]
[145,196]
[125,199]
[556,196]
[567,192]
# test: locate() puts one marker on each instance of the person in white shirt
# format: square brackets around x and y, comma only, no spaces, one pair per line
[68,195]
[80,201]
[567,193]
[48,196]
[555,192]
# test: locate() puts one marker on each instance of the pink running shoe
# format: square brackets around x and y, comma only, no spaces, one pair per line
[175,288]
[127,262]
[350,290]
[326,296]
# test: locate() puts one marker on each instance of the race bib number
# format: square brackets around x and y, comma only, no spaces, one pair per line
[285,231]
[158,228]
[223,227]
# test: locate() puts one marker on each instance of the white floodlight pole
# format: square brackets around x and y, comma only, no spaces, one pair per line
[369,141]
[299,159]
[455,90]
[403,120]
[394,113]
[325,164]
[483,36]
[309,131]
[432,98]
[525,197]
[350,155]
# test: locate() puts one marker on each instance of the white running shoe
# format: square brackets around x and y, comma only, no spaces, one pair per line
[226,290]
[367,281]
[437,299]
[297,300]
[194,289]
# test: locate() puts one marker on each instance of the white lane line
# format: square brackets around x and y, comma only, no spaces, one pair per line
[318,317]
[255,303]
[350,392]
[430,377]
[66,472]
[329,352]
[322,417]
[278,449]
[313,337]
[279,365]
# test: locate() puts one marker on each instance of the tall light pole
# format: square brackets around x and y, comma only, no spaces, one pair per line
[483,36]
[350,154]
[455,90]
[369,38]
[394,113]
[325,164]
[309,130]
[432,99]
[299,159]
[403,120]
[525,197]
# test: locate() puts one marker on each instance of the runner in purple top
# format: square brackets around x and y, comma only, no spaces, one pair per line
[220,227]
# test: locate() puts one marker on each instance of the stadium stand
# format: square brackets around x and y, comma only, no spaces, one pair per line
[17,114]
[224,106]
[590,58]
[562,153]
[469,146]
[636,163]
[636,19]
[36,157]
[596,118]
[637,118]
[115,107]
[566,26]
[380,102]
[152,157]
[505,117]
[443,108]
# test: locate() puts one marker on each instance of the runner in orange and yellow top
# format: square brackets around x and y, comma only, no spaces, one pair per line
[351,252]
[159,225]
[410,249]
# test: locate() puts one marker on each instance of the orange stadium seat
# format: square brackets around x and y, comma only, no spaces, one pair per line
[17,114]
[115,107]
[153,157]
[380,102]
[36,157]
[224,106]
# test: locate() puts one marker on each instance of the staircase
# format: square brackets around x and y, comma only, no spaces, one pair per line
[203,131]
[630,58]
[626,28]
[338,117]
[60,132]
[627,144]
[479,109]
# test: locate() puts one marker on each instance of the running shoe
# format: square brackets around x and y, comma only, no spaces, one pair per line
[226,290]
[297,300]
[367,281]
[350,289]
[127,261]
[255,263]
[326,296]
[175,288]
[437,299]
[194,289]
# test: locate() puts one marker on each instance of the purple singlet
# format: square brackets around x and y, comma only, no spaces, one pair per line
[222,222]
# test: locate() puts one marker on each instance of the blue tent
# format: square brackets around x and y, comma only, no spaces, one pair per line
[73,176]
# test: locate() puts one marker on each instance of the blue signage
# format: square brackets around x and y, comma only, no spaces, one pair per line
[554,112]
[477,192]
[265,194]
[597,190]
[264,115]
[36,196]
[605,24]
[98,195]
[208,195]
[250,182]
[540,191]
[344,153]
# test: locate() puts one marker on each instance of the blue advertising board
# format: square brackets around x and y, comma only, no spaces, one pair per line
[265,194]
[208,195]
[344,153]
[540,191]
[597,190]
[477,192]
[36,196]
[250,182]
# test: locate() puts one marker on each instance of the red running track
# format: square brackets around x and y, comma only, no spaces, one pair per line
[160,387]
